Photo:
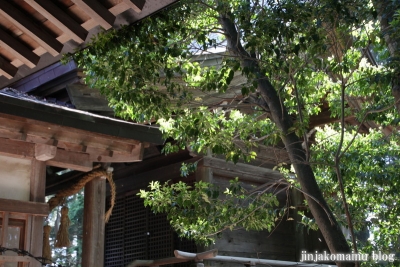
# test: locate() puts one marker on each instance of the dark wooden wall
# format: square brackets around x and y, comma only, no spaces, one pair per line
[135,232]
[285,242]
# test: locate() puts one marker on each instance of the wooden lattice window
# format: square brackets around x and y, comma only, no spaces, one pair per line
[135,232]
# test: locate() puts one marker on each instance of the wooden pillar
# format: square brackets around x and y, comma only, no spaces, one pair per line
[37,194]
[203,173]
[93,223]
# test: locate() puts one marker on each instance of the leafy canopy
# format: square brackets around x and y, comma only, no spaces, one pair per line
[311,51]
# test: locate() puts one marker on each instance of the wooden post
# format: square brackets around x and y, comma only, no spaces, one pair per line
[203,173]
[93,223]
[37,194]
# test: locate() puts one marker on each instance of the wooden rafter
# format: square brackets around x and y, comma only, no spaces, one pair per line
[97,12]
[35,27]
[44,39]
[136,5]
[60,19]
[18,49]
[7,69]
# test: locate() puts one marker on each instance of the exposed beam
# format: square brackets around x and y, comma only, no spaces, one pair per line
[119,8]
[71,121]
[28,207]
[21,21]
[60,19]
[4,133]
[7,69]
[18,49]
[243,171]
[18,149]
[97,155]
[115,10]
[136,5]
[47,140]
[63,159]
[97,12]
[16,259]
[45,152]
[71,160]
[67,137]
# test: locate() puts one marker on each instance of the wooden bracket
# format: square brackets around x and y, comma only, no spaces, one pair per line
[45,152]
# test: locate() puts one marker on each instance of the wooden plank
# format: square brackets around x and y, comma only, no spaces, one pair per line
[27,235]
[270,156]
[241,170]
[27,207]
[28,232]
[71,160]
[79,144]
[93,223]
[119,8]
[4,258]
[7,69]
[4,133]
[204,174]
[90,103]
[86,98]
[4,228]
[75,120]
[97,155]
[45,152]
[17,149]
[37,194]
[21,21]
[38,181]
[97,12]
[18,49]
[136,5]
[60,19]
[43,132]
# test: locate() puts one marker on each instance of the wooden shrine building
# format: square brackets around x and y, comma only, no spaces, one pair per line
[34,135]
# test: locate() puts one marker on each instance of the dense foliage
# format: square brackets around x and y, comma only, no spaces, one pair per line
[316,57]
[206,212]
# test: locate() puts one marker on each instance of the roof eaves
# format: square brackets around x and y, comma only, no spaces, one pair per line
[64,116]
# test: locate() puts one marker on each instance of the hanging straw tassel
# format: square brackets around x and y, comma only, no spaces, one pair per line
[46,253]
[62,239]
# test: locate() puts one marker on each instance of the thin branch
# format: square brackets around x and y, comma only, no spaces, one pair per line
[339,174]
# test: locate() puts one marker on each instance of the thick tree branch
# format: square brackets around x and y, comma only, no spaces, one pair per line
[331,231]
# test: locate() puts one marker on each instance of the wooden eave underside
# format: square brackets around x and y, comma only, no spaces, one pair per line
[34,33]
[67,138]
[73,120]
[63,147]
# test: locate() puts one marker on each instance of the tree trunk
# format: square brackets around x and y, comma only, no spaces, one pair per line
[305,175]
